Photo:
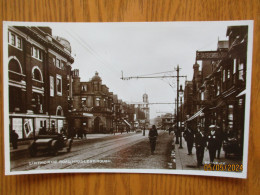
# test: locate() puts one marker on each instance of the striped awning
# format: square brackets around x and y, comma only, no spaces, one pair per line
[196,114]
[126,122]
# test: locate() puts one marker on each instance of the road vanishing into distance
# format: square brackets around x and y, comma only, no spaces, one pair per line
[120,151]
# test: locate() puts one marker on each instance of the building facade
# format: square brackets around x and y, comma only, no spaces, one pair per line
[95,109]
[220,96]
[38,67]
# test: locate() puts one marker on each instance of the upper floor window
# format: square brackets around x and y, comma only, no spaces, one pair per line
[228,74]
[234,66]
[14,66]
[224,75]
[15,40]
[58,63]
[241,71]
[36,53]
[59,84]
[36,74]
[97,101]
[84,101]
[202,96]
[84,88]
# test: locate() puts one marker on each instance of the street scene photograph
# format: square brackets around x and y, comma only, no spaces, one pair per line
[141,97]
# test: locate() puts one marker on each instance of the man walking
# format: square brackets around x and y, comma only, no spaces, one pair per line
[200,142]
[189,137]
[152,137]
[212,142]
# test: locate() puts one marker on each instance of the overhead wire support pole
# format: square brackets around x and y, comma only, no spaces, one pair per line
[179,133]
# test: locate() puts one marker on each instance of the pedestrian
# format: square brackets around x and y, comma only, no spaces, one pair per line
[42,131]
[14,139]
[212,140]
[152,138]
[200,143]
[220,138]
[189,137]
[170,130]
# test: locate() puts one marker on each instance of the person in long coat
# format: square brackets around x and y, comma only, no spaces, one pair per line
[189,137]
[200,143]
[152,137]
[212,139]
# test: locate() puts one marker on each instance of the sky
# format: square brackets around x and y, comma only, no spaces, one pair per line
[140,49]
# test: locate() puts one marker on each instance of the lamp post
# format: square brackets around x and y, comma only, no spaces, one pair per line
[181,95]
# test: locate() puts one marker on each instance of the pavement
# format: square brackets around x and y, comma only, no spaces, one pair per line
[189,162]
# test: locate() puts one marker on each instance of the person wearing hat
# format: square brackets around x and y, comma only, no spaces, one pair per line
[152,137]
[220,138]
[212,140]
[200,143]
[189,137]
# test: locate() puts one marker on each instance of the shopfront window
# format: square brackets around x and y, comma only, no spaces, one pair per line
[28,128]
[18,126]
[230,116]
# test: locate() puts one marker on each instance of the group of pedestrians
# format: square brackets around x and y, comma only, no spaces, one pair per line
[212,141]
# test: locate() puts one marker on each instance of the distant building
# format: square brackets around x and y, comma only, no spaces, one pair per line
[91,105]
[97,110]
[146,109]
[39,67]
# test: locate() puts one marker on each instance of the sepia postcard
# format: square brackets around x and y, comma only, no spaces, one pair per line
[134,97]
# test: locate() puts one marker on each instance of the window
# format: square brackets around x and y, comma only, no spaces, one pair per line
[202,96]
[84,88]
[59,85]
[37,74]
[224,76]
[54,61]
[15,40]
[62,65]
[19,42]
[97,101]
[58,65]
[84,101]
[51,86]
[235,66]
[218,89]
[36,53]
[228,74]
[241,71]
[14,66]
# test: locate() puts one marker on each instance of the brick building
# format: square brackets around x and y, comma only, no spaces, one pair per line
[220,96]
[38,67]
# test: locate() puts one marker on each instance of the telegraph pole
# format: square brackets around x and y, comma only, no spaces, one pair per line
[160,76]
[177,114]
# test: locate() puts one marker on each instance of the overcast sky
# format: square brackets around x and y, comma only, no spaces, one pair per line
[140,49]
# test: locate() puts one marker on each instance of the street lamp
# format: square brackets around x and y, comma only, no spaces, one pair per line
[181,95]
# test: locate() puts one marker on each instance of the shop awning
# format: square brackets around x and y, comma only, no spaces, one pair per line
[126,122]
[220,104]
[241,93]
[196,114]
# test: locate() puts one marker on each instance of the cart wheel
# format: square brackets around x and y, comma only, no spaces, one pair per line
[69,148]
[33,150]
[55,149]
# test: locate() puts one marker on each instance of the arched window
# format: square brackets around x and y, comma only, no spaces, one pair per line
[36,73]
[14,65]
[59,111]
